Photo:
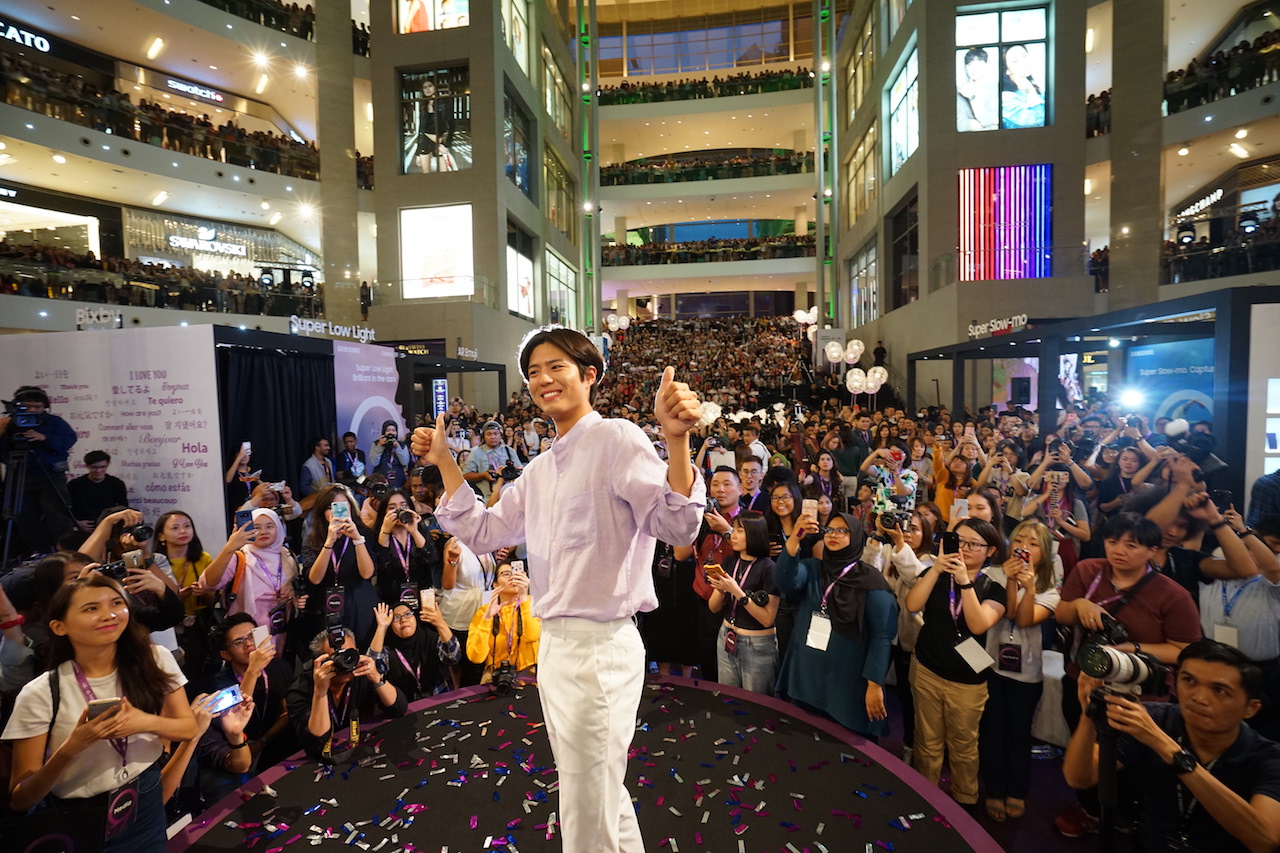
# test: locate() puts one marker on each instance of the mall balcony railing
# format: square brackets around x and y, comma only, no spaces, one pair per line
[1223,241]
[709,251]
[705,169]
[636,91]
[290,18]
[80,284]
[282,156]
[1002,264]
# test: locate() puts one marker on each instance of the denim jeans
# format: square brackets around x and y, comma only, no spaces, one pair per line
[146,833]
[754,667]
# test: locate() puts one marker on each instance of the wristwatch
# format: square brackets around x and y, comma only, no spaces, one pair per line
[1184,762]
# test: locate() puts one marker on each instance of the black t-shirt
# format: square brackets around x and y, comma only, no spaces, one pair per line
[758,575]
[1250,766]
[89,499]
[936,645]
[1183,566]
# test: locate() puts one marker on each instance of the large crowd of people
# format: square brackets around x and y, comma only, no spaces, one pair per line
[1245,66]
[710,251]
[70,97]
[288,18]
[838,545]
[1235,252]
[706,168]
[55,273]
[635,91]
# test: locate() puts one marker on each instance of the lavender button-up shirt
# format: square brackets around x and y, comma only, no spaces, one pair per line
[589,511]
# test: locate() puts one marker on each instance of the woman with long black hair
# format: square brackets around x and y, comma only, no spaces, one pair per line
[99,653]
[336,556]
[406,554]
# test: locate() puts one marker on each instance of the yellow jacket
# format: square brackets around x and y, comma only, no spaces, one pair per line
[480,637]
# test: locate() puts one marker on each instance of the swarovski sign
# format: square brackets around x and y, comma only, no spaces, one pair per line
[195,91]
[204,242]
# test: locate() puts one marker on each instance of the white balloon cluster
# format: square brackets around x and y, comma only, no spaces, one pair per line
[710,413]
[853,352]
[614,322]
[858,381]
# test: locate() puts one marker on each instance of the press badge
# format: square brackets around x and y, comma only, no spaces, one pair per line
[1227,635]
[974,654]
[819,631]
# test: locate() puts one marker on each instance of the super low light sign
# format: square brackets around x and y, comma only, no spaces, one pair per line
[195,90]
[205,241]
[26,38]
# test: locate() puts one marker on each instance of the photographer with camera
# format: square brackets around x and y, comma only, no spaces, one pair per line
[406,556]
[34,445]
[491,461]
[337,691]
[504,634]
[1210,782]
[276,496]
[389,456]
[1126,604]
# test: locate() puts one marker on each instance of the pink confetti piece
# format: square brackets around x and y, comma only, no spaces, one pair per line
[475,821]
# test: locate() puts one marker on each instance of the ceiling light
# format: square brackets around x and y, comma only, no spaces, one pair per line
[306,211]
[262,85]
[1184,151]
[275,217]
[213,68]
[1088,40]
[266,205]
[58,158]
[161,198]
[1242,133]
[1239,150]
[260,59]
[1088,186]
[156,47]
[300,71]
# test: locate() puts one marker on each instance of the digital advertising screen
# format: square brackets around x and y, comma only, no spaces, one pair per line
[1175,379]
[519,283]
[420,16]
[435,252]
[1263,201]
[1001,65]
[435,118]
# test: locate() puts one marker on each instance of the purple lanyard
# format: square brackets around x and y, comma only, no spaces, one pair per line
[402,554]
[733,608]
[335,559]
[415,670]
[1093,587]
[843,572]
[262,569]
[119,744]
[333,709]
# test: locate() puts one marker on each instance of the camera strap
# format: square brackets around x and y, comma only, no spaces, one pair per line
[1185,809]
[1123,597]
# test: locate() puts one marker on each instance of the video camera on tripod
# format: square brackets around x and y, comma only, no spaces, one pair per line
[21,418]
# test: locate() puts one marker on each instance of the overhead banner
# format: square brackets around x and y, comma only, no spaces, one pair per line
[365,382]
[148,397]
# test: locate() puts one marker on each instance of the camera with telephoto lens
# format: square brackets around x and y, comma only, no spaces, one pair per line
[504,679]
[117,571]
[1130,674]
[378,491]
[509,472]
[404,516]
[141,532]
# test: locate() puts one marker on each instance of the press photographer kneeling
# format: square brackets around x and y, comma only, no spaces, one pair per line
[1210,781]
[335,692]
[504,633]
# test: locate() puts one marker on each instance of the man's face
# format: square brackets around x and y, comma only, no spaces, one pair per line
[349,443]
[724,488]
[863,422]
[239,645]
[557,384]
[1211,696]
[750,435]
[750,474]
[98,471]
[322,448]
[492,437]
[1092,428]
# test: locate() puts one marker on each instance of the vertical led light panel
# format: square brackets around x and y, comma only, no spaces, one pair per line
[1006,222]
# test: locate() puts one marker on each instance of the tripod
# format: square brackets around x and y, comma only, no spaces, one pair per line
[17,471]
[1107,791]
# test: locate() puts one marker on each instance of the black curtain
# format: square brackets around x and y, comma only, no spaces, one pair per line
[279,401]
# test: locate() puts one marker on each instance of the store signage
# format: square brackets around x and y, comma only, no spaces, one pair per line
[998,326]
[439,397]
[468,353]
[26,38]
[99,318]
[195,91]
[1200,205]
[206,241]
[306,327]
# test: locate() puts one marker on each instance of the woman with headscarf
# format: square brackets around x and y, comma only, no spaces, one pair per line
[416,648]
[257,571]
[846,617]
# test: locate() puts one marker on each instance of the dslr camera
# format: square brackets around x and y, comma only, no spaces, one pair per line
[504,679]
[509,472]
[117,571]
[404,516]
[345,661]
[1125,673]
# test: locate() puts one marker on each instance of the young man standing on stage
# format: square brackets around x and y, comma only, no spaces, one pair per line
[589,511]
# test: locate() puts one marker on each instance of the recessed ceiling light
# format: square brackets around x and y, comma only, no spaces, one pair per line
[1242,133]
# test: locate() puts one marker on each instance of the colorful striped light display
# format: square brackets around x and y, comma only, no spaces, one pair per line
[1006,222]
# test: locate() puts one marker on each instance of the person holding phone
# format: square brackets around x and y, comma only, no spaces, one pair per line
[845,620]
[744,591]
[102,658]
[257,571]
[1030,578]
[959,604]
[505,630]
[336,554]
[593,504]
[220,747]
[415,646]
[251,662]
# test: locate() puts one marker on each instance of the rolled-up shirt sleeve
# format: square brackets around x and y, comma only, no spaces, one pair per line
[659,510]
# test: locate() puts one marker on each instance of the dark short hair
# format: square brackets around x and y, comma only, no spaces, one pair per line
[752,427]
[218,633]
[756,530]
[1268,525]
[577,346]
[345,435]
[1143,530]
[1251,677]
[314,442]
[30,393]
[725,469]
[94,457]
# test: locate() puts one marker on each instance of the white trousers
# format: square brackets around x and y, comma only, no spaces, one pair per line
[590,678]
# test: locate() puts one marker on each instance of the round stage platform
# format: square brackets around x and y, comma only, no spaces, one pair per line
[712,769]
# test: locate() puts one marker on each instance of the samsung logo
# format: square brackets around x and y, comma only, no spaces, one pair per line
[195,91]
[26,38]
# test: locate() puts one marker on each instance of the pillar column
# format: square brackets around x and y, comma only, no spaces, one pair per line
[802,295]
[336,139]
[802,219]
[1140,29]
[620,230]
[622,302]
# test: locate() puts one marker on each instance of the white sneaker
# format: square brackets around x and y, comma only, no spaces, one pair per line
[907,754]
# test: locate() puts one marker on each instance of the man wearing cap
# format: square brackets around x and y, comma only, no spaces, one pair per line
[484,465]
